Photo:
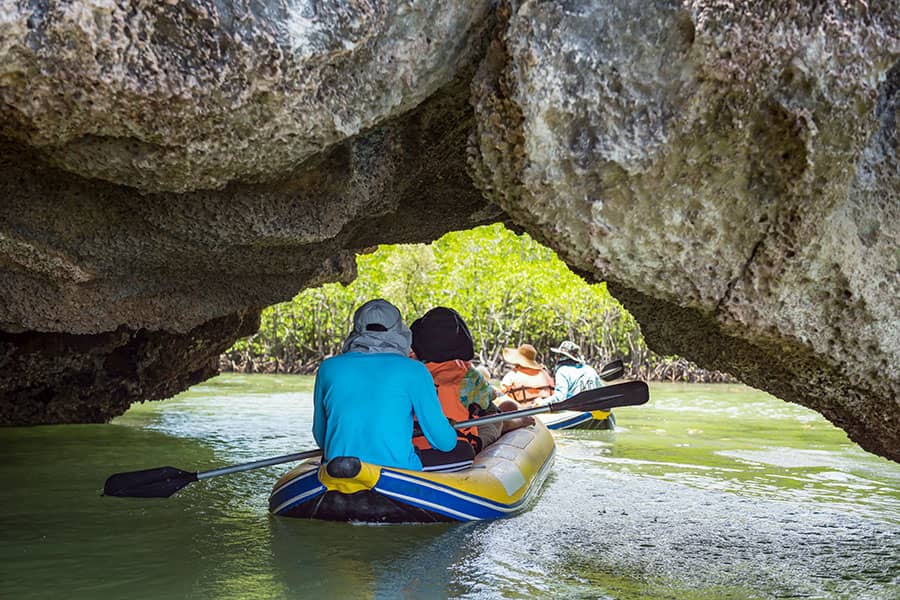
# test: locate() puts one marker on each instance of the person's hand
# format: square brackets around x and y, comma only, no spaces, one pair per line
[517,423]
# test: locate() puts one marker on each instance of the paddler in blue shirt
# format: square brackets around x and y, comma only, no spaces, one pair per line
[366,397]
[572,375]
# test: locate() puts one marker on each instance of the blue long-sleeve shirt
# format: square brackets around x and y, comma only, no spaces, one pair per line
[364,405]
[573,379]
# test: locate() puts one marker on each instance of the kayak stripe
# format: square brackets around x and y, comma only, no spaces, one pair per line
[437,487]
[449,467]
[295,480]
[571,422]
[440,501]
[301,487]
[451,502]
[299,498]
[438,508]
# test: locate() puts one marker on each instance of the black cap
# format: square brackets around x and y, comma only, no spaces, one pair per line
[441,335]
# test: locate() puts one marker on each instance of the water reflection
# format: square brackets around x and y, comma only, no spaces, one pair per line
[641,539]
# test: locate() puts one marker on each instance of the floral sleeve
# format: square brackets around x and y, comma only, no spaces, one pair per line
[476,391]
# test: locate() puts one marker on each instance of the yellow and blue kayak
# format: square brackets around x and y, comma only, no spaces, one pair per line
[504,479]
[569,419]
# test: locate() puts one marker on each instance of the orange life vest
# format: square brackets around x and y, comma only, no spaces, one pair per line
[526,384]
[447,378]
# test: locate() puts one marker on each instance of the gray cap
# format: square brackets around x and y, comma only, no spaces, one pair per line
[378,327]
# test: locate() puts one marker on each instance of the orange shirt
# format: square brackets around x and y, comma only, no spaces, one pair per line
[447,378]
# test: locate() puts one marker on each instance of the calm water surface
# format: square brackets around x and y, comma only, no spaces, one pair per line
[708,492]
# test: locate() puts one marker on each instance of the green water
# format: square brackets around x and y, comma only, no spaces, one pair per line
[707,492]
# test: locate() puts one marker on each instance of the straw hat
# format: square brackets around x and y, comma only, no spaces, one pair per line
[523,356]
[570,350]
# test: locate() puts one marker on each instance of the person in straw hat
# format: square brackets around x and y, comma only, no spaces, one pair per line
[572,375]
[528,381]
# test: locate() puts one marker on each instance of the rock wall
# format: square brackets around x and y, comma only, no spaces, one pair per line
[68,378]
[92,271]
[180,96]
[729,168]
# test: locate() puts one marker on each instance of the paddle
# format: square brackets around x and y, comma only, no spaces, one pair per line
[630,393]
[612,370]
[162,482]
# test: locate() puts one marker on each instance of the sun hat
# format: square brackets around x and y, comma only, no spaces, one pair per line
[523,356]
[569,349]
[441,335]
[378,328]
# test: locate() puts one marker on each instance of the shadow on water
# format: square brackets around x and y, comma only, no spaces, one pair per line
[60,535]
[353,561]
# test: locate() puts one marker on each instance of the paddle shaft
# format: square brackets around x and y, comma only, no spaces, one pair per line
[525,412]
[162,482]
[277,460]
[257,464]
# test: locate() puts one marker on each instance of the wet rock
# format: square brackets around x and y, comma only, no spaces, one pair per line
[730,169]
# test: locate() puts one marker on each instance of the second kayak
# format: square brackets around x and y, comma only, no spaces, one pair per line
[598,419]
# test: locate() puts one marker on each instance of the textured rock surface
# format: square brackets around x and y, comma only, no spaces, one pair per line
[85,256]
[65,378]
[730,168]
[188,95]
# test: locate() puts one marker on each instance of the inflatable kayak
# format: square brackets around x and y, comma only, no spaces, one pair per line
[503,480]
[598,419]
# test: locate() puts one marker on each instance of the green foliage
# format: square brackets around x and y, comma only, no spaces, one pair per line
[509,288]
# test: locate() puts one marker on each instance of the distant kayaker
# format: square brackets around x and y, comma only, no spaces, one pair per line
[528,380]
[365,398]
[572,375]
[442,341]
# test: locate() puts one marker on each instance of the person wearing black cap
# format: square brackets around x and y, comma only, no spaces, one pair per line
[442,341]
[365,398]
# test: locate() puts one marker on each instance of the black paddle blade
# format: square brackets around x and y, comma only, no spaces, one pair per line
[152,483]
[612,370]
[630,393]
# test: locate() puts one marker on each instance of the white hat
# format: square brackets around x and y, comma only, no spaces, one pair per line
[570,349]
